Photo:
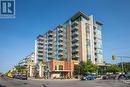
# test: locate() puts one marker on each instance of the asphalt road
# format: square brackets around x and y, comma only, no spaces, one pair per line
[7,82]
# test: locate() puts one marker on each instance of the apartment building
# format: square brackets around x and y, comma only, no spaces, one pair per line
[79,39]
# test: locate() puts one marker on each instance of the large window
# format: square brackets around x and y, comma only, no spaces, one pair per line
[60,67]
[55,67]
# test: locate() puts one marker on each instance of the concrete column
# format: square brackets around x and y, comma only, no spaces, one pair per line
[35,54]
[31,73]
[40,70]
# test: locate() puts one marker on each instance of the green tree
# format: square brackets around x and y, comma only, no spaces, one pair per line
[20,69]
[126,66]
[113,68]
[87,67]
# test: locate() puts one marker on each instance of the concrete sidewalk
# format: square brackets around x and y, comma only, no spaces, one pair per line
[52,79]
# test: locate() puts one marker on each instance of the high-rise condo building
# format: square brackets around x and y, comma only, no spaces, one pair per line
[79,38]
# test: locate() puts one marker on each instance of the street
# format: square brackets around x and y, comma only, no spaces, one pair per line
[8,82]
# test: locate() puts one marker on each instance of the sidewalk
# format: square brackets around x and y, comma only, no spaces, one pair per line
[52,79]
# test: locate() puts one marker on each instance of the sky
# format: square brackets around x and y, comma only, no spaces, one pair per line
[34,17]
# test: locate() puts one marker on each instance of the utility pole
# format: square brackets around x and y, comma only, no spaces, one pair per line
[122,65]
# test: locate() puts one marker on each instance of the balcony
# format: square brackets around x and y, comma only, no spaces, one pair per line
[60,34]
[75,56]
[50,56]
[50,47]
[60,56]
[40,37]
[50,35]
[50,43]
[60,30]
[75,50]
[75,23]
[75,45]
[60,44]
[60,53]
[50,51]
[40,49]
[60,48]
[40,46]
[40,58]
[61,38]
[75,33]
[50,38]
[74,28]
[40,43]
[40,54]
[75,53]
[75,39]
[60,41]
[40,40]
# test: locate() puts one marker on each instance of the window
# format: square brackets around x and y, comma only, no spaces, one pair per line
[87,28]
[88,42]
[55,67]
[60,67]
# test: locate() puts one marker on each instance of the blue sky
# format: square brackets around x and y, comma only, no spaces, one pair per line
[34,17]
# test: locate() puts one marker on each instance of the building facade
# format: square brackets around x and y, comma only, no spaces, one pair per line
[28,62]
[79,39]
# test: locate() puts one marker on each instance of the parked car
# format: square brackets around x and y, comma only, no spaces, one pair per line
[124,76]
[89,77]
[21,77]
[109,76]
[16,76]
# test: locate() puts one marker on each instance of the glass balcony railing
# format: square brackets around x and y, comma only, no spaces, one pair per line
[75,45]
[75,50]
[61,34]
[61,43]
[75,28]
[75,39]
[75,56]
[60,30]
[75,33]
[60,48]
[75,23]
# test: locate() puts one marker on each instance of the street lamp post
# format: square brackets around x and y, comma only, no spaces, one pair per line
[122,65]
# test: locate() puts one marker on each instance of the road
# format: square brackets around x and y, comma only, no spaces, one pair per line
[7,82]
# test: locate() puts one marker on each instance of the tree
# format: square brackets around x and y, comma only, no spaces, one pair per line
[87,67]
[126,66]
[113,68]
[20,69]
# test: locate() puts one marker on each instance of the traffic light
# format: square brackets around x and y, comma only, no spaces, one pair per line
[113,57]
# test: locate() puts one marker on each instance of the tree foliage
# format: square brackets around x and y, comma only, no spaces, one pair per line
[87,67]
[126,66]
[113,68]
[20,68]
